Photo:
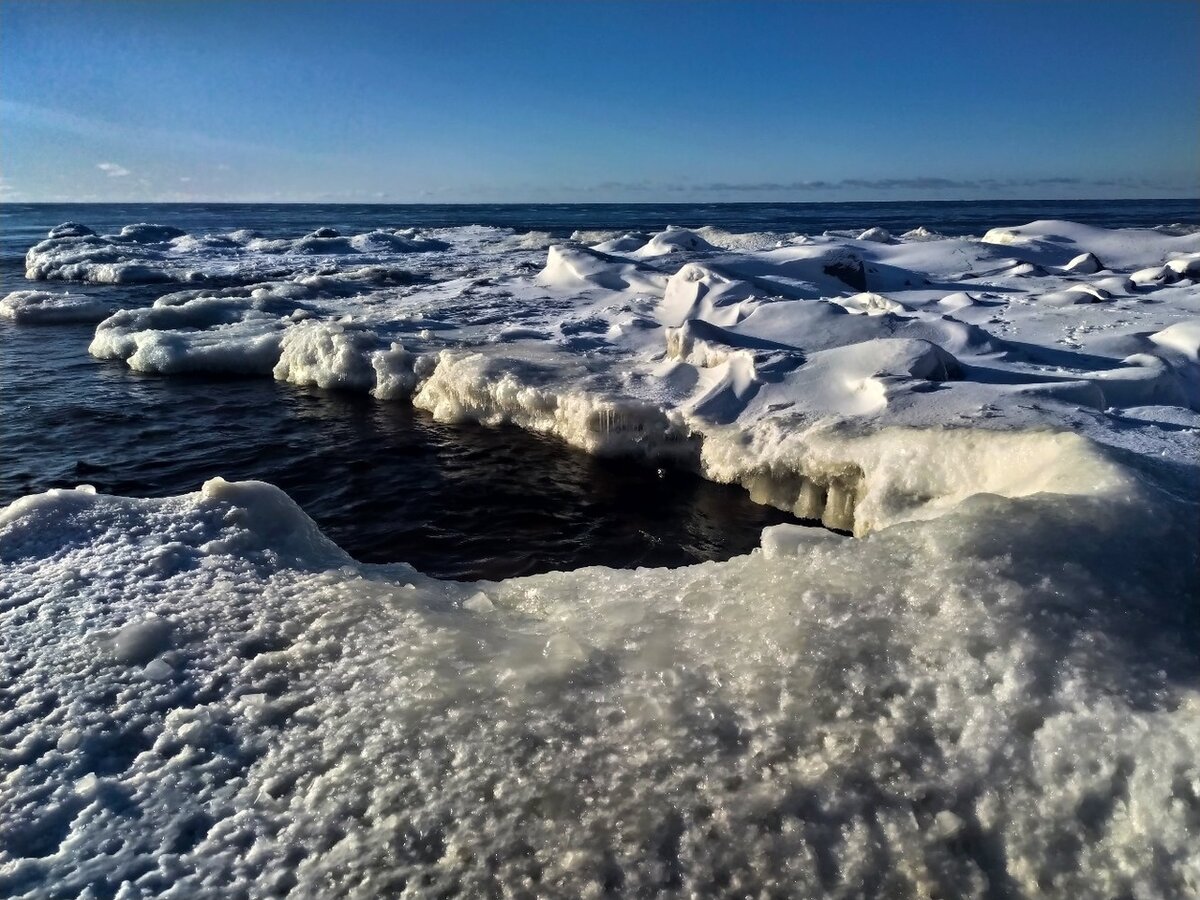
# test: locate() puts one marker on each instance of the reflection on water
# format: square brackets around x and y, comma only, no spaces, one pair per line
[386,482]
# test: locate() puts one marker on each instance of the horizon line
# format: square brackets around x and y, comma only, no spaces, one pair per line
[262,202]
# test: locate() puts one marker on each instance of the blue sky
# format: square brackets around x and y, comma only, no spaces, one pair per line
[604,101]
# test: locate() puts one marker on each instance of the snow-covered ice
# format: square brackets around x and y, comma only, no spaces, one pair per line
[991,690]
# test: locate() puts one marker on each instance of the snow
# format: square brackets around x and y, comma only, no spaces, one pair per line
[878,235]
[1183,337]
[978,679]
[676,356]
[673,240]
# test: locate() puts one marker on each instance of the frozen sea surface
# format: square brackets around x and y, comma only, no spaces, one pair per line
[992,689]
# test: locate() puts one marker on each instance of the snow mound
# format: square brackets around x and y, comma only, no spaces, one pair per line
[146,233]
[574,268]
[1057,243]
[921,233]
[872,304]
[1085,264]
[699,292]
[957,300]
[1182,337]
[1076,294]
[877,235]
[1186,266]
[673,240]
[622,243]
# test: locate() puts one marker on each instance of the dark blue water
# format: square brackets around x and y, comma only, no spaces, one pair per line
[383,481]
[948,217]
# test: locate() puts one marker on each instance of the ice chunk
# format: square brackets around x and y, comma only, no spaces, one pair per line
[877,235]
[69,229]
[139,642]
[1085,264]
[673,240]
[43,307]
[328,355]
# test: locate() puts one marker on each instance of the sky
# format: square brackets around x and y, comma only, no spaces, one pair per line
[597,101]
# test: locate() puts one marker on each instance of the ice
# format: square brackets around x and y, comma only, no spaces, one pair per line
[1000,695]
[140,642]
[699,292]
[148,253]
[658,356]
[978,679]
[1183,337]
[327,355]
[655,354]
[44,307]
[878,235]
[1085,264]
[673,240]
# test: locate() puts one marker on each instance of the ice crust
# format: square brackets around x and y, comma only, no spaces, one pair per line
[992,692]
[211,699]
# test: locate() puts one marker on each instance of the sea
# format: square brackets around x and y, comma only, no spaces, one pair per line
[387,482]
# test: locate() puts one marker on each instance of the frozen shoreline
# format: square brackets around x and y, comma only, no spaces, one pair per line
[993,690]
[760,359]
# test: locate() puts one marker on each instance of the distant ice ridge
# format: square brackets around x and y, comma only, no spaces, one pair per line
[145,253]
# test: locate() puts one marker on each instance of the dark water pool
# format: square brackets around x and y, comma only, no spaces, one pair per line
[384,481]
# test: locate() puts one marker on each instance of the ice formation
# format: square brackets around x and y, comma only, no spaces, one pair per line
[159,253]
[34,307]
[989,691]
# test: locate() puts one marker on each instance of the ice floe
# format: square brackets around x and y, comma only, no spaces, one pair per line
[33,307]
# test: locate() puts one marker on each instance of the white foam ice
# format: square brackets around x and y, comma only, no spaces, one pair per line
[991,691]
[50,308]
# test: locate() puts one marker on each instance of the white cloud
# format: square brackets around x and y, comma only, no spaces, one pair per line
[112,170]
